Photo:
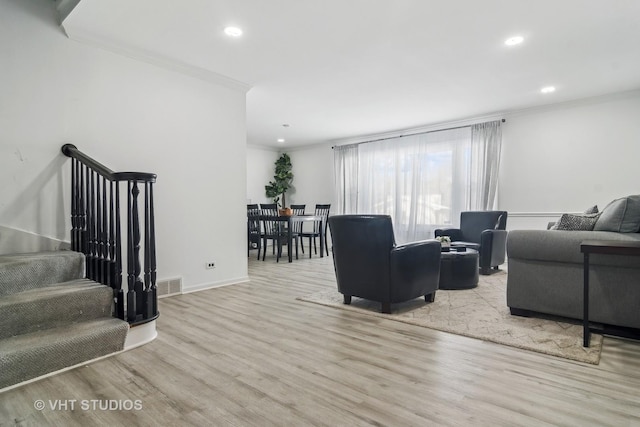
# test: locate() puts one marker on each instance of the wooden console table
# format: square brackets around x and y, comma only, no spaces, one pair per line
[606,247]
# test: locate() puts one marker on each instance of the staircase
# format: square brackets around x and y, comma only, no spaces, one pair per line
[51,317]
[63,308]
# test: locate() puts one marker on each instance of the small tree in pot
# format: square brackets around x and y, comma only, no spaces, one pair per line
[281,180]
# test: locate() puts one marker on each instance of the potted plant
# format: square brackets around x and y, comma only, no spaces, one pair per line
[281,183]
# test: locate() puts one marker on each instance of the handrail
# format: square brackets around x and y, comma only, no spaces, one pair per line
[71,150]
[97,232]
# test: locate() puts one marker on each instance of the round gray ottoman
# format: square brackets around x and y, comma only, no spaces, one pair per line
[459,270]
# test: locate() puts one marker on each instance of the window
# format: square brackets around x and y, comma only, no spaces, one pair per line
[423,181]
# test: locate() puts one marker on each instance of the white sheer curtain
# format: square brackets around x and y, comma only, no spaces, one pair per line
[423,181]
[486,142]
[416,179]
[345,159]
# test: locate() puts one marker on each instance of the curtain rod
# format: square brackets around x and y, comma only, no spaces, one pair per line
[410,134]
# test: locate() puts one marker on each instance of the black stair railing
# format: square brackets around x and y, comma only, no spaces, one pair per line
[96,232]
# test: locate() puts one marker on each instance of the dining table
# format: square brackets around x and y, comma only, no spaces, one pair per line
[289,220]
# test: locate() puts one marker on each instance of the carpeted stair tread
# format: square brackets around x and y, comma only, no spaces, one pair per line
[53,305]
[21,272]
[28,356]
[51,317]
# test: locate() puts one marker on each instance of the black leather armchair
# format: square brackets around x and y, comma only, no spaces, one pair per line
[369,265]
[484,231]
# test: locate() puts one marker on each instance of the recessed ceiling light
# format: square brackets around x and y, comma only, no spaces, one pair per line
[280,139]
[548,89]
[233,31]
[514,40]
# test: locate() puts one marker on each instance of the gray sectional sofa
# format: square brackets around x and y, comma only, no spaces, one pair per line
[545,269]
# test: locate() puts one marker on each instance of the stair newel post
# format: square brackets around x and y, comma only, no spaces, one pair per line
[117,277]
[131,295]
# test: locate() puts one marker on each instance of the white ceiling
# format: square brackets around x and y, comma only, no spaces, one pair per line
[336,69]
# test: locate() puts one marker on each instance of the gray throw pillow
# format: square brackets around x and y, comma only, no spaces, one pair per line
[592,210]
[621,215]
[576,222]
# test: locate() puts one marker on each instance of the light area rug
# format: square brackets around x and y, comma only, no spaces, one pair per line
[480,313]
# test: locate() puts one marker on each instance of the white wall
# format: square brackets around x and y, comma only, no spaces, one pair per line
[129,115]
[312,169]
[313,180]
[260,170]
[568,157]
[557,159]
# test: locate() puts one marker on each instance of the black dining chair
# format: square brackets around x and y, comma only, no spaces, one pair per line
[271,229]
[322,210]
[254,235]
[297,226]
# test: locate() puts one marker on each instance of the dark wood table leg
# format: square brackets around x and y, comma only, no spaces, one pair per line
[321,239]
[585,312]
[289,239]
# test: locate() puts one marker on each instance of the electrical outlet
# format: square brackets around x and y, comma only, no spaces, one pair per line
[210,265]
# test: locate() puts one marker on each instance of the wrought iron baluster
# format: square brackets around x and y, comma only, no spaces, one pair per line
[96,231]
[74,205]
[111,240]
[90,225]
[118,264]
[152,250]
[104,236]
[131,295]
[138,285]
[98,234]
[82,215]
[149,281]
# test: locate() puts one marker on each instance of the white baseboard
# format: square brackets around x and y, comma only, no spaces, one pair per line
[205,286]
[140,335]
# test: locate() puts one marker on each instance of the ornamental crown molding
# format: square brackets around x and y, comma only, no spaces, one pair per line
[153,58]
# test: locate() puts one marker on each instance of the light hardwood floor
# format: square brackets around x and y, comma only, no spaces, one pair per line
[251,354]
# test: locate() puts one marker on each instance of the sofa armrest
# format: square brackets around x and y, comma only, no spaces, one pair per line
[564,246]
[454,233]
[415,266]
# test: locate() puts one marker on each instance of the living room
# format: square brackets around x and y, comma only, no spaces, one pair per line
[268,358]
